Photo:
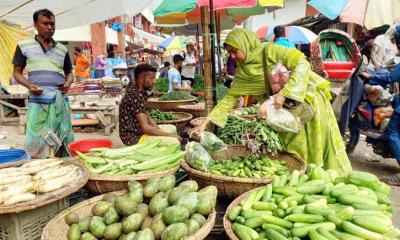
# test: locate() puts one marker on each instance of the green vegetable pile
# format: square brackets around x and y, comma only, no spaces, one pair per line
[221,91]
[162,85]
[140,158]
[198,85]
[317,206]
[255,135]
[253,110]
[158,210]
[157,115]
[249,167]
[176,95]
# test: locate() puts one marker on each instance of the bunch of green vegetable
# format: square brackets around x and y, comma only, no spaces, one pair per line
[255,135]
[317,206]
[221,91]
[198,85]
[157,115]
[253,110]
[162,85]
[176,95]
[140,158]
[158,210]
[249,167]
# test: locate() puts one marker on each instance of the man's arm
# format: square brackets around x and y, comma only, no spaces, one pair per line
[176,87]
[69,77]
[147,128]
[152,122]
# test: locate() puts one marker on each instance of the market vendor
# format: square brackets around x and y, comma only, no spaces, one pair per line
[50,76]
[134,121]
[319,141]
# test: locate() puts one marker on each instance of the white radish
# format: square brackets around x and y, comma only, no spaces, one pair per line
[16,184]
[23,197]
[36,169]
[42,174]
[12,174]
[11,170]
[58,172]
[13,179]
[17,190]
[36,163]
[57,183]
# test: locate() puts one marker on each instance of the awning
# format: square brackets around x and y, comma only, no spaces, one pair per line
[111,36]
[76,34]
[69,13]
[148,36]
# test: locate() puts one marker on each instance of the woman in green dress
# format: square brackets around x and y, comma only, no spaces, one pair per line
[319,141]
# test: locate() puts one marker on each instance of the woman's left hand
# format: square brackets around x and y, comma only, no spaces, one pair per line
[279,100]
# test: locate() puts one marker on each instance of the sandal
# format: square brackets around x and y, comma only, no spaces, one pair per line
[393,180]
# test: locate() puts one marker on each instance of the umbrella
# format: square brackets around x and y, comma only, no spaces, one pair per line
[295,34]
[173,43]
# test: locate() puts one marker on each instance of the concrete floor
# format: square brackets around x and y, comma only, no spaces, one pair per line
[362,159]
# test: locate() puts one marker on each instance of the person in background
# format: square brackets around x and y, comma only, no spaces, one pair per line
[82,65]
[189,63]
[165,69]
[131,63]
[174,76]
[134,121]
[101,65]
[280,37]
[367,49]
[384,49]
[50,76]
[230,71]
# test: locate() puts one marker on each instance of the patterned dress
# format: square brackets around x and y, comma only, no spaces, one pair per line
[134,102]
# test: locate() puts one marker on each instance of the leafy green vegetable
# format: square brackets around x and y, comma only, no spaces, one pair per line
[158,115]
[176,95]
[161,85]
[198,85]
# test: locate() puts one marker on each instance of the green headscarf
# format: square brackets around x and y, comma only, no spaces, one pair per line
[249,79]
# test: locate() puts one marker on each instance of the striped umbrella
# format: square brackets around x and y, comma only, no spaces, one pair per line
[173,43]
[295,34]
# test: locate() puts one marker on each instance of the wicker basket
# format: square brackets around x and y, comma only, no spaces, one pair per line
[197,110]
[232,187]
[154,103]
[101,183]
[180,123]
[57,228]
[197,121]
[47,198]
[227,223]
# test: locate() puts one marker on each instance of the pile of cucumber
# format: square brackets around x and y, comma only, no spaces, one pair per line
[318,206]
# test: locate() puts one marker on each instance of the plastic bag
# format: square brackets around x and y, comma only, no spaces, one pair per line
[280,120]
[211,142]
[197,156]
[279,77]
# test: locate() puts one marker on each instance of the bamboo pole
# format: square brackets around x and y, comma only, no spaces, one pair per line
[218,31]
[212,34]
[206,59]
[198,48]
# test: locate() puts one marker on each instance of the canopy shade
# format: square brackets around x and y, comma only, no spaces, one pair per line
[69,13]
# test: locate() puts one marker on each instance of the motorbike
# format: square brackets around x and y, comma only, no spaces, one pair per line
[353,122]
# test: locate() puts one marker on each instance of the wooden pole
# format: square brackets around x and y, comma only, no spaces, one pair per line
[218,25]
[206,59]
[198,48]
[212,34]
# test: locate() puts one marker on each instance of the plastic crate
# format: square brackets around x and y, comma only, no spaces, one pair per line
[28,225]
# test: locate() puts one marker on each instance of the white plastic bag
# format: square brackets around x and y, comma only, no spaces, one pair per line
[197,156]
[281,120]
[211,142]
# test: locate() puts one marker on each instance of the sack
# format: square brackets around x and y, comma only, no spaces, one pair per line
[197,156]
[302,111]
[280,120]
[211,142]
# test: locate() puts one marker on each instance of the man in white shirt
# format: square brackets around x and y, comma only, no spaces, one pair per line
[384,49]
[174,76]
[189,63]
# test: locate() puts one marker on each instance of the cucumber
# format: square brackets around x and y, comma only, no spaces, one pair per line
[243,232]
[374,224]
[234,213]
[274,235]
[294,178]
[264,206]
[287,191]
[383,199]
[345,236]
[302,179]
[311,187]
[380,207]
[328,235]
[252,213]
[305,218]
[303,231]
[260,194]
[268,194]
[316,210]
[347,189]
[314,235]
[332,218]
[360,231]
[240,220]
[277,228]
[348,199]
[248,202]
[254,222]
[346,213]
[278,221]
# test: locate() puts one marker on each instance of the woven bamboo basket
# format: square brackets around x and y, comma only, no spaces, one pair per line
[227,223]
[57,228]
[180,123]
[197,121]
[101,183]
[197,110]
[154,103]
[47,198]
[231,187]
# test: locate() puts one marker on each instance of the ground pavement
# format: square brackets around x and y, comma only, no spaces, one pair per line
[362,159]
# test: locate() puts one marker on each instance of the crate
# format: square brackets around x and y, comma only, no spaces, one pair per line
[28,225]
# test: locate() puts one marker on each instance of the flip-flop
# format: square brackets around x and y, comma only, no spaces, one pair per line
[393,180]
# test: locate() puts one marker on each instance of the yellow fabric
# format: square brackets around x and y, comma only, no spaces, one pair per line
[9,37]
[271,3]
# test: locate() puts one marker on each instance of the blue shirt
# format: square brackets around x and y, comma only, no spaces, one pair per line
[284,42]
[174,77]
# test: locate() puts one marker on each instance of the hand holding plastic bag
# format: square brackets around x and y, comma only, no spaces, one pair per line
[211,142]
[280,120]
[279,77]
[197,156]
